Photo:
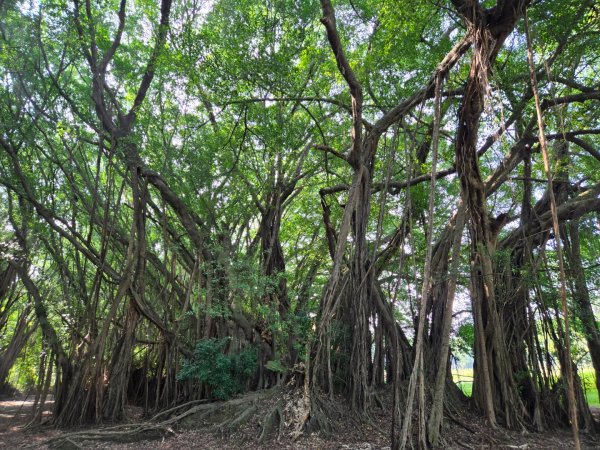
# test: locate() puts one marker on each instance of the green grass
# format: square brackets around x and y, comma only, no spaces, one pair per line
[588,379]
[464,379]
[592,397]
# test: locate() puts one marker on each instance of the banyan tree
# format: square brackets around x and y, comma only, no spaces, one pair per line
[205,199]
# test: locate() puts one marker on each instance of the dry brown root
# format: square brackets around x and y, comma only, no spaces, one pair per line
[310,411]
[239,419]
[297,412]
[230,414]
[271,420]
[290,413]
[323,413]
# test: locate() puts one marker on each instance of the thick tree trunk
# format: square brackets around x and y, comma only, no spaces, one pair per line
[360,357]
[120,368]
[273,266]
[440,361]
[355,219]
[20,335]
[513,292]
[482,288]
[113,406]
[581,296]
[494,388]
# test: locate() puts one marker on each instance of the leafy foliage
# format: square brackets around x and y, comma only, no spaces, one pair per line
[465,339]
[224,373]
[237,153]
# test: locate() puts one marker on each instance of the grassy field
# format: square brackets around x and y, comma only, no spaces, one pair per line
[588,379]
[464,379]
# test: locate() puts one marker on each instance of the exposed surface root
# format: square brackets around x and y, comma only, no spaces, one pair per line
[220,417]
[272,420]
[276,414]
[287,418]
[128,432]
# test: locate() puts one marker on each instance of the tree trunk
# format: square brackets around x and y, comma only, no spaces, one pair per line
[118,379]
[20,335]
[273,266]
[581,296]
[443,354]
[494,388]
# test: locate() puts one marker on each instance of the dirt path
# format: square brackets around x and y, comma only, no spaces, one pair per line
[15,413]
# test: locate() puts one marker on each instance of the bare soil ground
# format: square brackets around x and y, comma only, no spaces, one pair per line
[15,413]
[468,432]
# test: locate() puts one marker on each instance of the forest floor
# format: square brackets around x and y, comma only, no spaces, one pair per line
[468,432]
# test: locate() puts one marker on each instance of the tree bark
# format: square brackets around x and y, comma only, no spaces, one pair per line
[581,296]
[494,390]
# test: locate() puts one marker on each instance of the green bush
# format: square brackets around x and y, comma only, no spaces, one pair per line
[224,374]
[464,341]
